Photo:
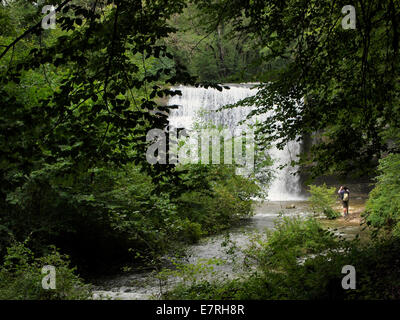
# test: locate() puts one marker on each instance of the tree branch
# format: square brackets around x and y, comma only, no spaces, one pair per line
[30,30]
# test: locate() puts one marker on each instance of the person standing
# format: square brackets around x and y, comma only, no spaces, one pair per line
[344,194]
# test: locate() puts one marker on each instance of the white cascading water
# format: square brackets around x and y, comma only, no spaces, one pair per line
[196,103]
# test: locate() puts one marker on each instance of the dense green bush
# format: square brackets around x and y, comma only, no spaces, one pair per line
[21,276]
[383,205]
[322,200]
[291,239]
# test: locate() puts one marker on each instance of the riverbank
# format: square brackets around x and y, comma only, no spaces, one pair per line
[352,225]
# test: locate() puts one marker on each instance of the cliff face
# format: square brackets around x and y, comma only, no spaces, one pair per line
[359,186]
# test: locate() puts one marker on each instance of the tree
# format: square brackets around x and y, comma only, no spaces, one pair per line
[211,48]
[383,206]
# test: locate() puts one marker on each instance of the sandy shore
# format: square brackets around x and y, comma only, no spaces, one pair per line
[356,208]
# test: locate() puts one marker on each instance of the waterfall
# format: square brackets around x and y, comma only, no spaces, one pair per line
[198,104]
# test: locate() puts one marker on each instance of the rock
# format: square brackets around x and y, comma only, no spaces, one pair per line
[290,206]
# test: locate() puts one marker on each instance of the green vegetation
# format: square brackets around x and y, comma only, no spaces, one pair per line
[383,206]
[339,86]
[77,102]
[21,276]
[212,49]
[322,200]
[291,239]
